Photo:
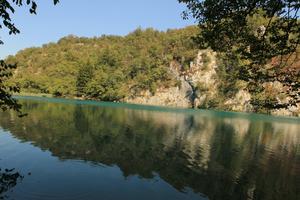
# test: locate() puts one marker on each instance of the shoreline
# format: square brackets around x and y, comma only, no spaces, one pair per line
[208,112]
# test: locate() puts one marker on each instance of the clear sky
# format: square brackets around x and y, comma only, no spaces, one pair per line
[89,18]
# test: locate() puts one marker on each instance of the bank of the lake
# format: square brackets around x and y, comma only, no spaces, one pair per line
[49,97]
[154,68]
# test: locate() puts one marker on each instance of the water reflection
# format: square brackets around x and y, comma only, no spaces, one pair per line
[8,179]
[220,157]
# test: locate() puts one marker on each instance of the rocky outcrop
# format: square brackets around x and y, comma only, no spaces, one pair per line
[203,77]
[293,110]
[275,90]
[240,102]
[177,96]
[173,97]
[195,85]
[199,87]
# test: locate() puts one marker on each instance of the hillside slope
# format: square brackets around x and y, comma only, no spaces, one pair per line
[143,67]
[105,68]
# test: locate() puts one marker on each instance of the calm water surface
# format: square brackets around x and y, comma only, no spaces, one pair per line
[86,150]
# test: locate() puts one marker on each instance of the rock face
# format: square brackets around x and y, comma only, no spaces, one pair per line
[201,73]
[177,96]
[173,97]
[240,102]
[291,111]
[199,86]
[275,88]
[203,77]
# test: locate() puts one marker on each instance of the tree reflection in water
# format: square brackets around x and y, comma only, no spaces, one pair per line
[8,179]
[221,157]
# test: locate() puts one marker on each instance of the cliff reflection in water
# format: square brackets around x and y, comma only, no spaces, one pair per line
[221,157]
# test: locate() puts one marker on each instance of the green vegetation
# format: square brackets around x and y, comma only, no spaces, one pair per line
[247,35]
[7,9]
[6,88]
[107,68]
[113,68]
[256,41]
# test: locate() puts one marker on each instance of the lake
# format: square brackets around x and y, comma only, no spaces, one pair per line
[68,149]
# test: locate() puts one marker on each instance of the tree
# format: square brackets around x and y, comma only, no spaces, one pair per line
[6,100]
[85,74]
[252,32]
[6,10]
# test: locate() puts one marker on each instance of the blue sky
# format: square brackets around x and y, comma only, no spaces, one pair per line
[89,18]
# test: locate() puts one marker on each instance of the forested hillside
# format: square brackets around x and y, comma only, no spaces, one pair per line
[151,67]
[107,68]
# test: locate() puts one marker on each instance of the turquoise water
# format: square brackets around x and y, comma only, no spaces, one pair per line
[69,149]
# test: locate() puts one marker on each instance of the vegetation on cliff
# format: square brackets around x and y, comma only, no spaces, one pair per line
[248,34]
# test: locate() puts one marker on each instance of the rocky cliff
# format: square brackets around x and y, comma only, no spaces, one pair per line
[201,76]
[199,87]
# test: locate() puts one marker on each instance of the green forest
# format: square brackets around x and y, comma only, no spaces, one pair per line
[106,68]
[257,60]
[113,68]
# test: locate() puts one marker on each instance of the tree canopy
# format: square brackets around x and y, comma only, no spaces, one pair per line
[106,68]
[7,8]
[252,32]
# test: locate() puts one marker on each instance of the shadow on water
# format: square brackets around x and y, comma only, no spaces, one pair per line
[222,158]
[8,180]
